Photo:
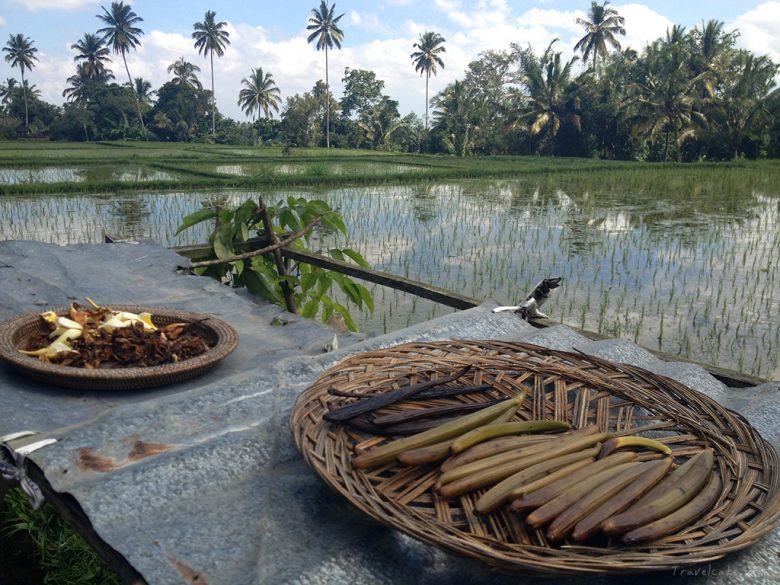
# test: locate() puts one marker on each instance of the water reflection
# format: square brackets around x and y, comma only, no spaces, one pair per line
[684,262]
[42,175]
[92,173]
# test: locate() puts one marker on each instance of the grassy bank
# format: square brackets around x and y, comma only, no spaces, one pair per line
[46,167]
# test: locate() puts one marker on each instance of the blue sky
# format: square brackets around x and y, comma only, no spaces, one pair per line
[378,35]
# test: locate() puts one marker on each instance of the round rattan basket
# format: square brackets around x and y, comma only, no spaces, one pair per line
[561,386]
[221,338]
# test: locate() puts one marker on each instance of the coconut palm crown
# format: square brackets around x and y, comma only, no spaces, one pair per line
[603,24]
[260,94]
[20,53]
[121,34]
[210,38]
[184,73]
[427,60]
[325,30]
[93,54]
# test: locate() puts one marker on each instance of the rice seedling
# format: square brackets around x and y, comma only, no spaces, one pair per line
[681,258]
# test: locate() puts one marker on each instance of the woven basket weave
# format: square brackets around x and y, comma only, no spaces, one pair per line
[221,338]
[563,386]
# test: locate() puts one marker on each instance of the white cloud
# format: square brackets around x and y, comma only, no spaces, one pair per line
[758,30]
[643,25]
[61,4]
[469,28]
[370,22]
[2,21]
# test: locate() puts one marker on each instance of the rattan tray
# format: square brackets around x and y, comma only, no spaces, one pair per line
[564,386]
[220,336]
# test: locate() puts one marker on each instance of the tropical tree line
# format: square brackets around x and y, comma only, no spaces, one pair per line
[690,95]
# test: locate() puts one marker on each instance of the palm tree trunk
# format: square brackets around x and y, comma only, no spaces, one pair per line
[213,100]
[135,95]
[26,114]
[666,147]
[327,102]
[427,77]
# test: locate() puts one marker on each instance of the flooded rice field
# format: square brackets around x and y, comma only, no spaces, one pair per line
[685,261]
[69,174]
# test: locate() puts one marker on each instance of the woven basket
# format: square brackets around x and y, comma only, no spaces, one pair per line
[563,386]
[221,338]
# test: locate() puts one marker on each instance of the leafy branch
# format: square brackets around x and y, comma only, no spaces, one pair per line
[300,287]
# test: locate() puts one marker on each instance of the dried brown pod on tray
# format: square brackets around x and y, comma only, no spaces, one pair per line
[98,337]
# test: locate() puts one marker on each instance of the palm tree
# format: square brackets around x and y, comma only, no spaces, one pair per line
[455,118]
[82,85]
[712,49]
[143,89]
[210,37]
[324,26]
[122,34]
[7,91]
[747,95]
[94,54]
[260,94]
[21,53]
[601,29]
[426,59]
[184,73]
[666,101]
[547,80]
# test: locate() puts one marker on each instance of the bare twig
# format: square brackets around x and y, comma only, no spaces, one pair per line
[281,244]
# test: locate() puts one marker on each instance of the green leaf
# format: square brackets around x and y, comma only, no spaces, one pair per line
[239,266]
[226,216]
[349,288]
[348,320]
[308,280]
[196,218]
[310,309]
[244,213]
[356,257]
[318,206]
[324,282]
[259,283]
[334,222]
[366,295]
[291,219]
[336,253]
[327,308]
[223,241]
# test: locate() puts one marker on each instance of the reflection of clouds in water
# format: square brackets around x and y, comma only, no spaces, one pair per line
[143,175]
[377,252]
[564,201]
[612,223]
[230,170]
[42,175]
[636,256]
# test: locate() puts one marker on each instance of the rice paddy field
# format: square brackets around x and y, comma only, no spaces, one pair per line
[683,259]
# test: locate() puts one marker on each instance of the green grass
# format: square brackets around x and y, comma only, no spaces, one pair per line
[195,166]
[57,554]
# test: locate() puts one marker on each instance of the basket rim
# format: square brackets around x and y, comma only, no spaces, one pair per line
[316,443]
[131,377]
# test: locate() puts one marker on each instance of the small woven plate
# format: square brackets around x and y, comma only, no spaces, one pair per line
[561,386]
[221,338]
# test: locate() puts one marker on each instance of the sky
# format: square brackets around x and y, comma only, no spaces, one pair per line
[378,36]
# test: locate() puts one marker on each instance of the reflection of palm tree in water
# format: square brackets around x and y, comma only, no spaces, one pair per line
[424,207]
[129,216]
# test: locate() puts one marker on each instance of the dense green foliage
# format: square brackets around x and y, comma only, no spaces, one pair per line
[691,95]
[300,287]
[62,556]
